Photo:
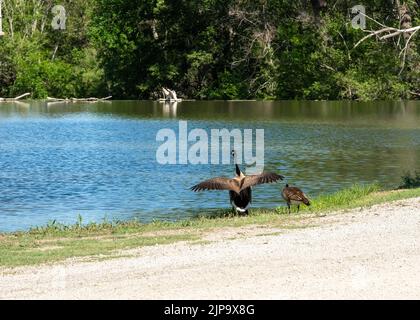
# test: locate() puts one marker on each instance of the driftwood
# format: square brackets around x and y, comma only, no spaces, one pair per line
[66,100]
[169,95]
[15,99]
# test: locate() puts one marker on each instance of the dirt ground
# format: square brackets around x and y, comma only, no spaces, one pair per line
[372,253]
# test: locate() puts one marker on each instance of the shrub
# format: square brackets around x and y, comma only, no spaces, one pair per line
[410,181]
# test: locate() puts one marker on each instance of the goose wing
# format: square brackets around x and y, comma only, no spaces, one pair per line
[265,177]
[220,183]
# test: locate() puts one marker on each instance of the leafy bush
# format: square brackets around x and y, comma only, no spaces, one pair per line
[410,181]
[43,77]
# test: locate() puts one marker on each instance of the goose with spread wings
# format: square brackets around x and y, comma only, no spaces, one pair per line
[239,187]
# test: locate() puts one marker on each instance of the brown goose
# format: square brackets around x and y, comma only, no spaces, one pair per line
[239,187]
[294,195]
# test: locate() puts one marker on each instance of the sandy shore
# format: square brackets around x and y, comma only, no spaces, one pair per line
[371,253]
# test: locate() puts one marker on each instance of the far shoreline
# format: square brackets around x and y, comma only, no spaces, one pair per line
[208,100]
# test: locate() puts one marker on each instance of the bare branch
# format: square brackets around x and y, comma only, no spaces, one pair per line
[400,31]
[375,33]
[391,33]
[405,51]
[370,18]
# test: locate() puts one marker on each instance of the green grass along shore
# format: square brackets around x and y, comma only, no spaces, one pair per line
[56,242]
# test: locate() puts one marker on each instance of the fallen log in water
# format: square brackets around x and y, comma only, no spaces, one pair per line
[170,100]
[68,100]
[15,99]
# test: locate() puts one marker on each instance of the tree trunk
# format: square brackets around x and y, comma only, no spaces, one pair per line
[405,18]
[1,20]
[318,5]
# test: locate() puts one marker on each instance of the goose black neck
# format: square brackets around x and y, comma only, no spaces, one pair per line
[238,170]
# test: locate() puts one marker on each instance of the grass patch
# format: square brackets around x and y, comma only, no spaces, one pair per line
[29,251]
[56,242]
[355,197]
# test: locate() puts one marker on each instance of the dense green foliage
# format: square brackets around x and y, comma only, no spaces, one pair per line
[38,59]
[206,49]
[410,181]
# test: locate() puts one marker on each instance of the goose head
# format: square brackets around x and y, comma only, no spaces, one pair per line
[237,169]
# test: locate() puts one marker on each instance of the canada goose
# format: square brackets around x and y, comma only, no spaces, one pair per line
[294,195]
[239,187]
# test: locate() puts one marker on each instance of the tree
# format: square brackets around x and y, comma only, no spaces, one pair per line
[211,49]
[1,19]
[36,58]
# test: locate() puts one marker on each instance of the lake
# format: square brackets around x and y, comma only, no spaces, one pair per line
[98,160]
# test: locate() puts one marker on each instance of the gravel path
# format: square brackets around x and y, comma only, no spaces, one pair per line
[371,253]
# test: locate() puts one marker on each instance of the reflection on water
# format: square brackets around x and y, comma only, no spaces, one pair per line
[169,109]
[59,160]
